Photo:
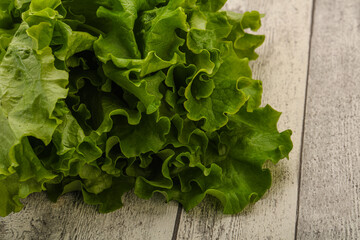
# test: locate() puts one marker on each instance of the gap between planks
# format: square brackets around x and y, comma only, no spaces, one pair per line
[177,223]
[304,116]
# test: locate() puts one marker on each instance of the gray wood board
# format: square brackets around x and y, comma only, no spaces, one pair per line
[282,66]
[70,218]
[330,176]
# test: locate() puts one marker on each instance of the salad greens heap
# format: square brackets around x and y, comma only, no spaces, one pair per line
[106,96]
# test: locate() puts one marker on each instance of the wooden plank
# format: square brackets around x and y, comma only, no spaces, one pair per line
[70,219]
[282,66]
[330,193]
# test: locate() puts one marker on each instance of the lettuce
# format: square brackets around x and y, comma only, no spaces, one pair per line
[105,97]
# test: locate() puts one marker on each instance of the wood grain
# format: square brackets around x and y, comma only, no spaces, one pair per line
[70,219]
[330,193]
[283,67]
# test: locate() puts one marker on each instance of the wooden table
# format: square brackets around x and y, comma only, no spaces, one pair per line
[310,67]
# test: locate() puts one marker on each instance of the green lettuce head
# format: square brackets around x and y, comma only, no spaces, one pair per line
[108,96]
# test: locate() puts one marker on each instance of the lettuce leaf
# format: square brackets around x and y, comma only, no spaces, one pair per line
[103,97]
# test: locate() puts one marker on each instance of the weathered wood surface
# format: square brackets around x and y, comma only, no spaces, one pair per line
[330,193]
[282,66]
[70,219]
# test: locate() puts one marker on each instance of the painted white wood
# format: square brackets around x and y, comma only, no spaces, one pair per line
[70,219]
[330,193]
[282,66]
